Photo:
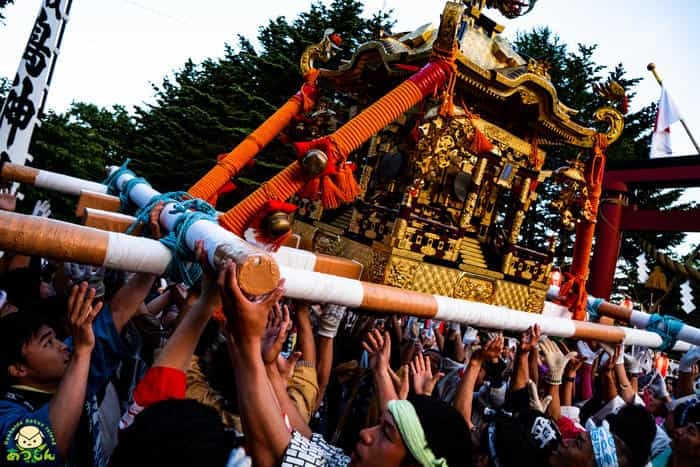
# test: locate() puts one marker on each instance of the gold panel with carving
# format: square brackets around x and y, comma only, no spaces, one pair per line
[473,289]
[535,302]
[400,272]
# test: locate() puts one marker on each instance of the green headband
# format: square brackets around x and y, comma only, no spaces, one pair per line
[413,435]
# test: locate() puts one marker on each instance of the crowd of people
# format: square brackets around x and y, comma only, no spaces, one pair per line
[101,368]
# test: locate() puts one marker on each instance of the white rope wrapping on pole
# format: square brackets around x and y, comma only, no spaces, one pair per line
[64,241]
[318,287]
[636,318]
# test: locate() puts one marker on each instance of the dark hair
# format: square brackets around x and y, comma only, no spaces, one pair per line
[510,440]
[445,430]
[174,432]
[16,330]
[635,426]
[686,413]
[22,286]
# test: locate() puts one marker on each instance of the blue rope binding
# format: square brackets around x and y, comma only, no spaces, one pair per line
[181,267]
[111,180]
[592,305]
[667,327]
[113,189]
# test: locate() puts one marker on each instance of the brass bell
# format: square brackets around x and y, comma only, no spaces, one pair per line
[276,223]
[314,162]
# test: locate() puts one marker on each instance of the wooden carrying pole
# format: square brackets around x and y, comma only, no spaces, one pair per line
[48,180]
[96,209]
[63,241]
[286,256]
[217,241]
[638,319]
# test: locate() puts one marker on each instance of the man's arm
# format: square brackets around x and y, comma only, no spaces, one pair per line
[329,322]
[267,435]
[378,346]
[127,300]
[567,385]
[272,343]
[528,344]
[66,406]
[305,334]
[465,390]
[178,351]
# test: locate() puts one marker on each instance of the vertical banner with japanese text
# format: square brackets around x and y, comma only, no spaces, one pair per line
[30,86]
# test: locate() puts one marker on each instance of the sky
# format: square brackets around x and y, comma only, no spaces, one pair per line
[114,50]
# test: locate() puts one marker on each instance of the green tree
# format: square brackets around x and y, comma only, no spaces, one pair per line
[79,142]
[573,72]
[207,108]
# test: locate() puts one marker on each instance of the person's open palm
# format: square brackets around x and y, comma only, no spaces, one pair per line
[276,333]
[378,347]
[81,314]
[422,375]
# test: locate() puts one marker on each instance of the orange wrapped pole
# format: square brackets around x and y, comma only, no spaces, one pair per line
[574,289]
[343,141]
[209,185]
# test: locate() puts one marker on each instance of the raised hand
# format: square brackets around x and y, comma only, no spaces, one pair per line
[689,359]
[493,348]
[585,351]
[611,356]
[530,338]
[378,346]
[331,316]
[535,402]
[574,365]
[209,286]
[555,360]
[81,314]
[8,201]
[276,333]
[245,319]
[154,220]
[422,375]
[286,365]
[400,383]
[632,365]
[658,386]
[42,209]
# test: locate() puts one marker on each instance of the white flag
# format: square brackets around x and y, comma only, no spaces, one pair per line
[667,114]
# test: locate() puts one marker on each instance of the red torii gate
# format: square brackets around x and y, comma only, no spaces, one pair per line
[616,215]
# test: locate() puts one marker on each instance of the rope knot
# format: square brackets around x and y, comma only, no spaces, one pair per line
[667,327]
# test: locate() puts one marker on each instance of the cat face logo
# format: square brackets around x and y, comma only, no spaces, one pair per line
[29,437]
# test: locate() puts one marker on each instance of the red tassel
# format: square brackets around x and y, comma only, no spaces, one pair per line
[311,189]
[331,196]
[573,292]
[348,185]
[480,143]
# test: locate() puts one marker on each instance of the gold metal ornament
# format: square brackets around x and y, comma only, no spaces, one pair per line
[276,224]
[314,162]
